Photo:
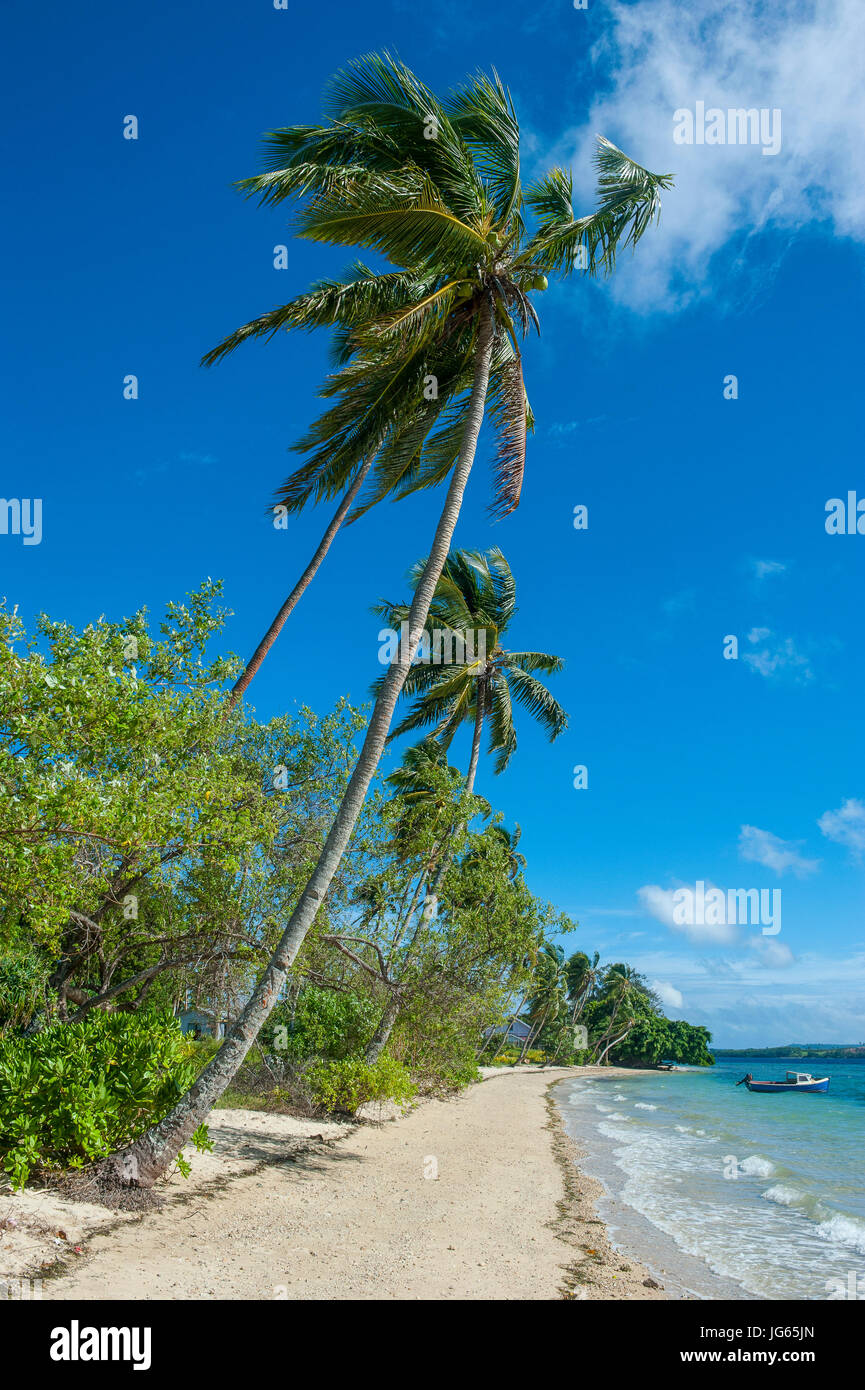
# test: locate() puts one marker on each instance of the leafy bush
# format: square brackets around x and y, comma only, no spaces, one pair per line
[78,1091]
[324,1023]
[347,1084]
[437,1045]
[512,1059]
[23,984]
[202,1050]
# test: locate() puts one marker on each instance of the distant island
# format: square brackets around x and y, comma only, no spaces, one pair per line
[794,1050]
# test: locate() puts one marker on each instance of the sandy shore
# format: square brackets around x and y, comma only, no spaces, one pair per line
[476,1197]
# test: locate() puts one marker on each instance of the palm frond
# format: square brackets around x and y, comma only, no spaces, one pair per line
[507,410]
[378,94]
[536,661]
[357,297]
[410,224]
[483,113]
[537,700]
[628,202]
[502,734]
[550,197]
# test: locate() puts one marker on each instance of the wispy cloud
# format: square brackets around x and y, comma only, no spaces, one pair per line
[846,826]
[763,998]
[773,955]
[762,847]
[763,568]
[777,656]
[190,456]
[561,429]
[684,602]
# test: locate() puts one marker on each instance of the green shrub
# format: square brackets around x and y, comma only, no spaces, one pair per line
[23,985]
[452,1075]
[512,1059]
[347,1084]
[78,1091]
[438,1047]
[323,1023]
[202,1050]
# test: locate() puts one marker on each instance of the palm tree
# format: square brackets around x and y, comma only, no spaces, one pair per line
[452,208]
[629,995]
[476,595]
[510,839]
[549,1000]
[400,172]
[583,979]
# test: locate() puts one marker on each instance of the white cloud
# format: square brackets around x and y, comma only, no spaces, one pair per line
[777,656]
[846,826]
[762,847]
[774,955]
[664,55]
[660,903]
[669,996]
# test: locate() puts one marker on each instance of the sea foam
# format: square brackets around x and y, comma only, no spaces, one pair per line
[844,1230]
[757,1166]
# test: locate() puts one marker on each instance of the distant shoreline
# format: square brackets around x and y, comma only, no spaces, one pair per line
[797,1051]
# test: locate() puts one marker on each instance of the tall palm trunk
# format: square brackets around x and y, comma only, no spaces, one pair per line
[297,592]
[150,1156]
[382,1033]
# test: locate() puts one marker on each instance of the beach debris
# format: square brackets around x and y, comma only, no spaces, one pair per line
[651,1284]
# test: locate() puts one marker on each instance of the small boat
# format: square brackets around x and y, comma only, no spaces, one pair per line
[795,1081]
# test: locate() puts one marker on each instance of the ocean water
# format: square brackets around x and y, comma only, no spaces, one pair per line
[725,1193]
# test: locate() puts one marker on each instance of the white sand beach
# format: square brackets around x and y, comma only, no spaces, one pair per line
[476,1197]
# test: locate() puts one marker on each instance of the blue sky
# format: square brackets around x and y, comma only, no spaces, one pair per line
[706,515]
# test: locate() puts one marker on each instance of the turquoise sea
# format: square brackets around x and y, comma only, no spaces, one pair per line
[728,1194]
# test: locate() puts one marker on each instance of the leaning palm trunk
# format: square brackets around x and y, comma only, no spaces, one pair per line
[150,1156]
[297,592]
[431,898]
[535,1032]
[382,1033]
[614,1043]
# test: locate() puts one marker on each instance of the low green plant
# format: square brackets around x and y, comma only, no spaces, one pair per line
[349,1083]
[513,1059]
[320,1023]
[77,1091]
[23,984]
